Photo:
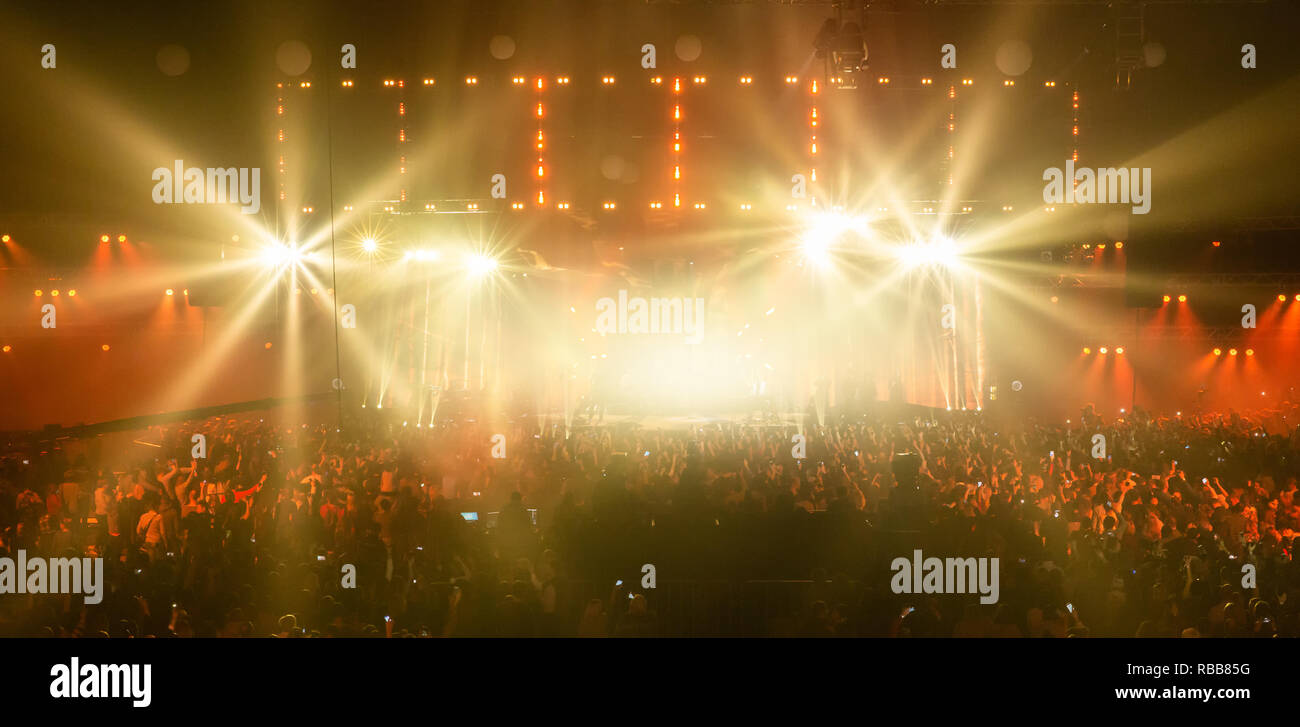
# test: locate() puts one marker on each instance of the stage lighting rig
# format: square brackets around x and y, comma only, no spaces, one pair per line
[842,46]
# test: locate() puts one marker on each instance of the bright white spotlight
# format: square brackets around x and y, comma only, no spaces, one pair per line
[939,250]
[816,249]
[480,265]
[833,224]
[279,256]
[369,245]
[827,224]
[825,231]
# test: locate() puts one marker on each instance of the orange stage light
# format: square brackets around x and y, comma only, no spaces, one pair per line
[1182,299]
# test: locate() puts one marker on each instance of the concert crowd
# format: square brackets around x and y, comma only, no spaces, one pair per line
[1162,526]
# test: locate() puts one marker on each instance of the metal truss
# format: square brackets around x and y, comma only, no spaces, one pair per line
[1284,282]
[895,5]
[1268,224]
[1226,337]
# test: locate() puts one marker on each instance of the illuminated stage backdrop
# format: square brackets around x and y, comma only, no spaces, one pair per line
[588,184]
